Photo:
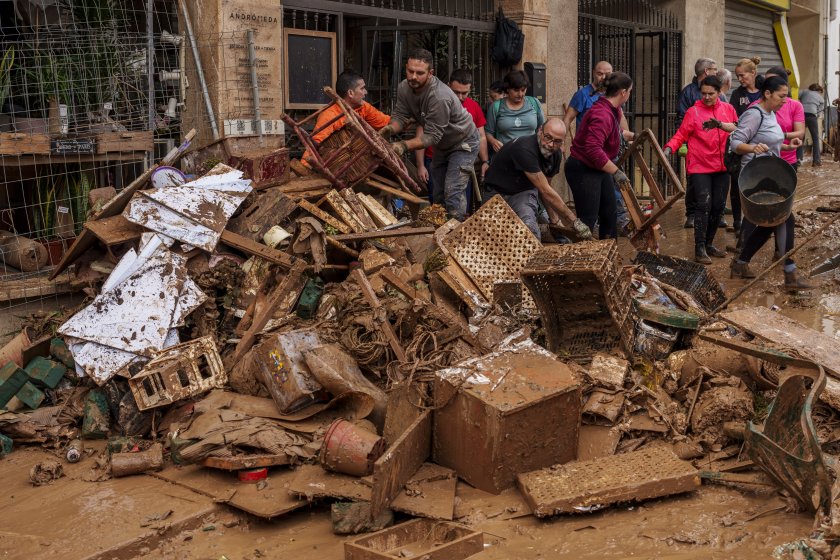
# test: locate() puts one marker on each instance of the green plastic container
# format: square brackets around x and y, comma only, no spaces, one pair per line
[45,373]
[97,420]
[30,395]
[12,379]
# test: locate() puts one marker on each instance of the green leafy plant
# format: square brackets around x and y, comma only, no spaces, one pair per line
[6,64]
[44,210]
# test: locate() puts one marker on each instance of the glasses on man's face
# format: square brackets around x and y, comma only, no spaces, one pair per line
[552,140]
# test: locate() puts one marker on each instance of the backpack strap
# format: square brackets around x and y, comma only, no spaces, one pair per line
[493,113]
[535,105]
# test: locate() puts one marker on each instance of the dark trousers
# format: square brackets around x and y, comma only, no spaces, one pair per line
[757,236]
[690,203]
[709,199]
[812,123]
[735,199]
[593,191]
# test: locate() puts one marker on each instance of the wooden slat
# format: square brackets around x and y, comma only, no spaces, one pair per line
[359,209]
[399,232]
[20,143]
[378,212]
[370,296]
[340,206]
[257,249]
[397,193]
[115,230]
[323,216]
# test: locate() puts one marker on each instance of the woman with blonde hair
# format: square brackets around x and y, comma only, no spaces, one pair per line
[746,72]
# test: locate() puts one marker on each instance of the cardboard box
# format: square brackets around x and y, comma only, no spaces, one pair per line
[506,413]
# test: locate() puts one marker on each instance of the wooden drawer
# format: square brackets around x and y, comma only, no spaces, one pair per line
[20,143]
[124,142]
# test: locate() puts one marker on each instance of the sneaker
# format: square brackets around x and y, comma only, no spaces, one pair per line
[689,222]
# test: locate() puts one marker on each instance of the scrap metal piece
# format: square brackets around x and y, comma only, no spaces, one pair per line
[178,373]
[787,448]
[587,486]
[492,245]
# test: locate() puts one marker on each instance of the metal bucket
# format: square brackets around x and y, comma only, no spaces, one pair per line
[766,186]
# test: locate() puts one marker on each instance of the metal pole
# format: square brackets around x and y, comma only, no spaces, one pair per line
[200,71]
[255,85]
[150,72]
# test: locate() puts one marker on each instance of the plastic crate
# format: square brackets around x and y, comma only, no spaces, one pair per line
[690,277]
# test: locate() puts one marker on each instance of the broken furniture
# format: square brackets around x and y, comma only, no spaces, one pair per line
[588,486]
[690,277]
[492,413]
[645,230]
[492,245]
[418,538]
[179,372]
[583,298]
[353,153]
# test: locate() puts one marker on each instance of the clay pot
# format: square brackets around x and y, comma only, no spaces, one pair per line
[350,449]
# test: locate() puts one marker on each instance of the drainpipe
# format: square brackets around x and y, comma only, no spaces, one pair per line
[832,10]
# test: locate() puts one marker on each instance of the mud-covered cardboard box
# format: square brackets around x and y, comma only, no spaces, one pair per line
[509,412]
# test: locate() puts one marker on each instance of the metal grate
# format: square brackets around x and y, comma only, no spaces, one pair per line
[640,475]
[492,245]
[690,277]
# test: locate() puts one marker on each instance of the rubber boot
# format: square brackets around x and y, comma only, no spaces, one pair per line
[713,251]
[701,256]
[740,270]
[794,282]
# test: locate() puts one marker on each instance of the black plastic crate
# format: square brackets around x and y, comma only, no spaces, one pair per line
[688,276]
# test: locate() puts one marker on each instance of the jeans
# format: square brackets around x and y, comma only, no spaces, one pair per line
[593,191]
[427,161]
[709,199]
[525,204]
[812,123]
[450,174]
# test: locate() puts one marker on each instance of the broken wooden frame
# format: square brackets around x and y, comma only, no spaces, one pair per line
[357,130]
[179,372]
[644,229]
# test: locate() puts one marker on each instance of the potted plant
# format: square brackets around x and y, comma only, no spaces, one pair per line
[5,86]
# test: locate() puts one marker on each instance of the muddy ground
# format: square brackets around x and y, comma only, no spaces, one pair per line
[143,516]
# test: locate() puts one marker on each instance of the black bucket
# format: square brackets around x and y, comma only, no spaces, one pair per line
[766,185]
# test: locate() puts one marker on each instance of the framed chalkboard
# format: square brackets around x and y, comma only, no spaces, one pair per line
[310,63]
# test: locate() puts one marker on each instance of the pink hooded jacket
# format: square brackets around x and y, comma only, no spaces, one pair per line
[706,148]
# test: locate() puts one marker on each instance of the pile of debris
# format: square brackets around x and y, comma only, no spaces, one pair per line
[306,343]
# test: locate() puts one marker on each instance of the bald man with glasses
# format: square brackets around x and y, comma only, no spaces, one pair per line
[520,173]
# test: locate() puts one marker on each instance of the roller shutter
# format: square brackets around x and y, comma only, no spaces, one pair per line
[748,32]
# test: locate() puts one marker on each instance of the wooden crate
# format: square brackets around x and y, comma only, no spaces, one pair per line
[20,143]
[124,142]
[429,539]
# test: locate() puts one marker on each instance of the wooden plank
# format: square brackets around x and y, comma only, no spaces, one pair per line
[292,284]
[251,247]
[651,182]
[359,209]
[36,287]
[268,502]
[397,193]
[776,328]
[400,462]
[116,205]
[271,207]
[370,296]
[299,168]
[20,143]
[340,206]
[139,141]
[304,184]
[115,230]
[378,212]
[429,493]
[323,216]
[240,462]
[313,482]
[379,234]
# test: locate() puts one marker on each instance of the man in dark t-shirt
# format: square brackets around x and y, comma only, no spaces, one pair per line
[520,174]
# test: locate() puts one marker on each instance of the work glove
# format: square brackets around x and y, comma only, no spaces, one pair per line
[399,147]
[620,177]
[386,131]
[582,230]
[711,123]
[668,151]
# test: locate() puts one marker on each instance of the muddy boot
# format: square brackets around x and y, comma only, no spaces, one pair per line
[701,256]
[740,270]
[713,251]
[794,282]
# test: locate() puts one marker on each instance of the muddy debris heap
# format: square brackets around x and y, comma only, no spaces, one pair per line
[288,330]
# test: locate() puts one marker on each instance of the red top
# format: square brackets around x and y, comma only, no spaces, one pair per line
[706,148]
[598,137]
[790,113]
[474,109]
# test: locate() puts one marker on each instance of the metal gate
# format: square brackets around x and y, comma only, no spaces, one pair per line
[644,41]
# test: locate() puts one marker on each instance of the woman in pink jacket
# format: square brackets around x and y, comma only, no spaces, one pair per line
[705,127]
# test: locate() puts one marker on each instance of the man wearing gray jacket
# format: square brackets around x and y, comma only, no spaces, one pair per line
[446,125]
